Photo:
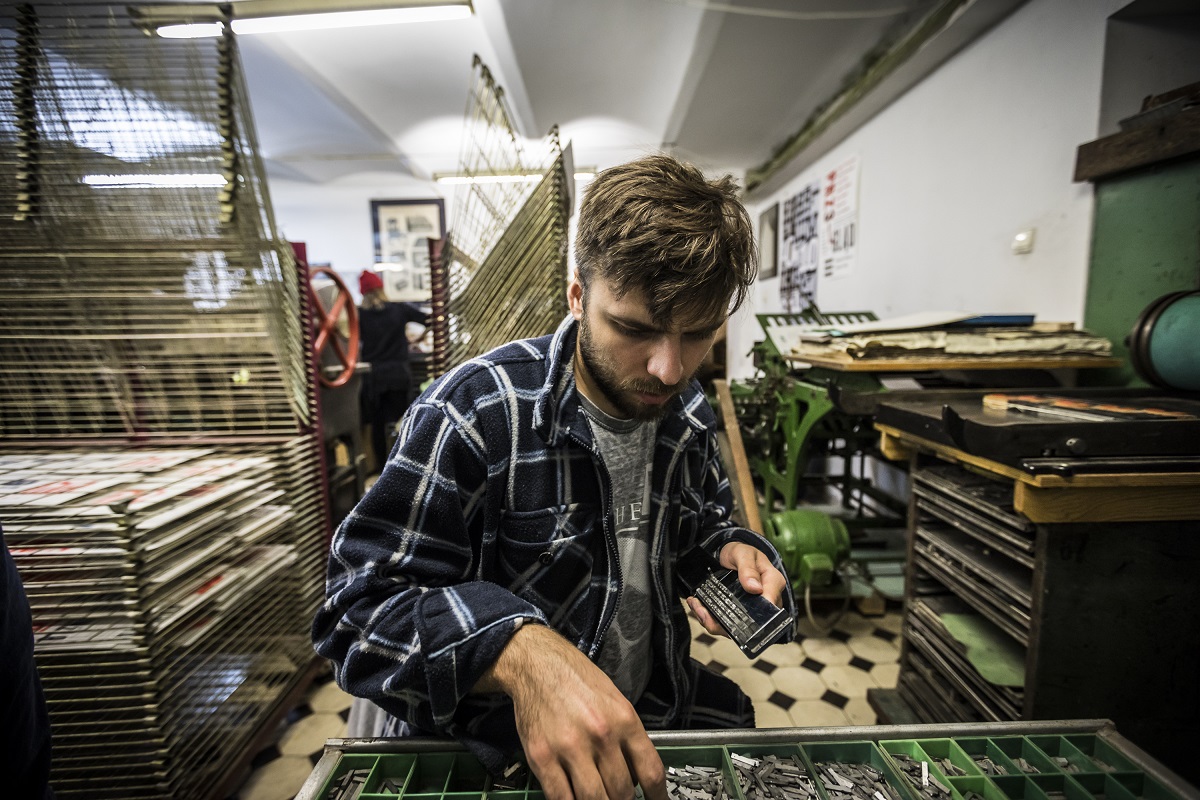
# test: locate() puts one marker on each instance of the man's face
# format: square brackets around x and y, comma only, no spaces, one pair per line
[627,364]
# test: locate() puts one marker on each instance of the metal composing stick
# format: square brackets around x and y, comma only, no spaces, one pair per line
[753,621]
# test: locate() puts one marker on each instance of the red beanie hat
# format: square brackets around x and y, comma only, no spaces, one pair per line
[369,282]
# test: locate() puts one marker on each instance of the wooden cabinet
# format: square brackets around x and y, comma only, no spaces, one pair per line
[1076,598]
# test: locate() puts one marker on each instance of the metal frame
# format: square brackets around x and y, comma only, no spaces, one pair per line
[1103,728]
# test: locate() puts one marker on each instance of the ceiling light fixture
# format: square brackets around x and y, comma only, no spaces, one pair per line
[458,179]
[194,21]
[190,180]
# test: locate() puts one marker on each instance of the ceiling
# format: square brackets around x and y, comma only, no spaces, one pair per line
[723,85]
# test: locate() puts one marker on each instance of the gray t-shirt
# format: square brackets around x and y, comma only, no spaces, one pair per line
[627,447]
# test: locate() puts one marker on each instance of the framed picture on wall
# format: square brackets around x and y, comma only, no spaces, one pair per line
[402,230]
[768,237]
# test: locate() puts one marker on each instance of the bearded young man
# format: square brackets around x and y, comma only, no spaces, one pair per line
[510,579]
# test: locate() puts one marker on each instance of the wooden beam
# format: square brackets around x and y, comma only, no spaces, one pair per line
[1106,503]
[745,481]
[1174,137]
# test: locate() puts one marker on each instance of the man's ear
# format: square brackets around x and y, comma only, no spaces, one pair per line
[575,297]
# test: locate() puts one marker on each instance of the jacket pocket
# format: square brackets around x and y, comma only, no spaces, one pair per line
[546,556]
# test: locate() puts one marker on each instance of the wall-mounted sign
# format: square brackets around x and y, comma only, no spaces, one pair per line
[800,250]
[839,219]
[402,230]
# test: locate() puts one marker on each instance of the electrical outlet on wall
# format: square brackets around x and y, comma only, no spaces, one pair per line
[1022,243]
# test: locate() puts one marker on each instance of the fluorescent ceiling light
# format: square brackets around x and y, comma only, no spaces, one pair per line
[193,180]
[191,30]
[525,177]
[276,16]
[349,19]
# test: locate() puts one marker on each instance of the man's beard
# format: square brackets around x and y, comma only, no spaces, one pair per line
[604,376]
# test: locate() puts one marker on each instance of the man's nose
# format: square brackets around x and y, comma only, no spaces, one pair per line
[666,361]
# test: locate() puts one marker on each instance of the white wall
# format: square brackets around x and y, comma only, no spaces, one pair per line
[334,220]
[951,171]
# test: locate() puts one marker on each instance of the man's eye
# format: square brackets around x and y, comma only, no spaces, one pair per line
[633,333]
[699,336]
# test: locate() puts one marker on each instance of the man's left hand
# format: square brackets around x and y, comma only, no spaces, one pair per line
[755,572]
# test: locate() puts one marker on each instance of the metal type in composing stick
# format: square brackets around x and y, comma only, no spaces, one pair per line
[751,620]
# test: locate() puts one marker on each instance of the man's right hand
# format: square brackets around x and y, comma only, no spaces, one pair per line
[582,738]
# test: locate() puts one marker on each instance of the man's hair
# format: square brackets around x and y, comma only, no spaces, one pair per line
[657,224]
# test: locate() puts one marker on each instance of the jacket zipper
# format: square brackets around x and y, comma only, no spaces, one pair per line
[656,570]
[655,562]
[610,547]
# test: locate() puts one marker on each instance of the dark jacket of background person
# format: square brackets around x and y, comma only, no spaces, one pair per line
[24,723]
[387,387]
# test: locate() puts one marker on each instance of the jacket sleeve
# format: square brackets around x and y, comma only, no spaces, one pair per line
[716,526]
[405,623]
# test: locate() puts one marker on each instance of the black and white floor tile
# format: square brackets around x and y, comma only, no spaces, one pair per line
[817,680]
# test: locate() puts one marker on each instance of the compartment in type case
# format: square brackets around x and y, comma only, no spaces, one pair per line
[349,777]
[1066,756]
[987,756]
[697,769]
[1103,757]
[928,764]
[1028,758]
[1041,787]
[768,772]
[977,788]
[390,776]
[1131,786]
[437,775]
[834,765]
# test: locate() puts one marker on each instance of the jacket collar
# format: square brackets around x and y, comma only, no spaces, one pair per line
[557,407]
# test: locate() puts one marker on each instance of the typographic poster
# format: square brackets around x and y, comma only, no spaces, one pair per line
[800,249]
[839,219]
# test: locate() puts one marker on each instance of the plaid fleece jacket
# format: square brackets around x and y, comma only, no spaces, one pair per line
[493,511]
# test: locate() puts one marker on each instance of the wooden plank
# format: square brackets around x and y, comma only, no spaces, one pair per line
[893,447]
[745,481]
[899,442]
[844,363]
[951,454]
[1174,137]
[1107,503]
[1122,479]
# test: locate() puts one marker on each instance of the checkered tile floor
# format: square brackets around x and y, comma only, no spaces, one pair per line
[814,681]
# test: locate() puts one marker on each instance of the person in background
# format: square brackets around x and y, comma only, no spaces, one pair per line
[24,722]
[387,386]
[511,577]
